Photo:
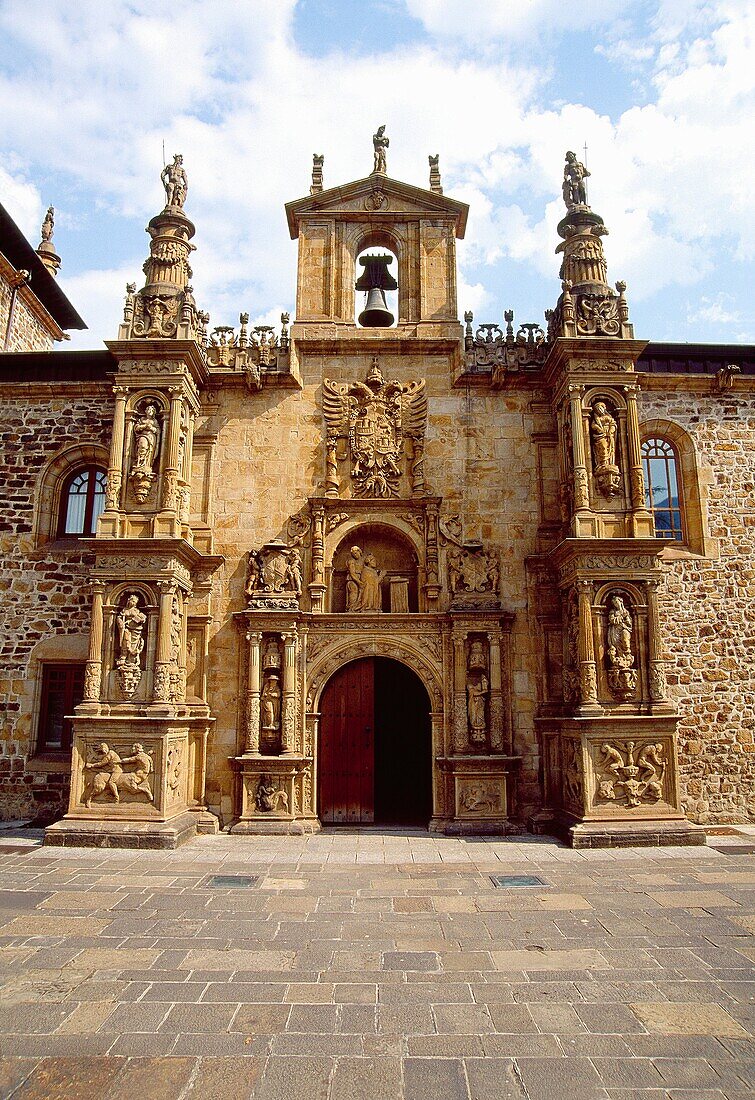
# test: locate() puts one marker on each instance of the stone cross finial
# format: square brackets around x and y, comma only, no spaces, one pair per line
[435,184]
[318,159]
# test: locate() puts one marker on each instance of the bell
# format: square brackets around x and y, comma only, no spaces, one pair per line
[376,279]
[376,313]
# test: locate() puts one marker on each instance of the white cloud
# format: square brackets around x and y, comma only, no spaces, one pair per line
[714,311]
[23,202]
[99,87]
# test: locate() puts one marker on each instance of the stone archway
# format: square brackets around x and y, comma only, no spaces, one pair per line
[375,745]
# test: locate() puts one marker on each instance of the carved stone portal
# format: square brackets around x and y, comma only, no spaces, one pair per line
[375,417]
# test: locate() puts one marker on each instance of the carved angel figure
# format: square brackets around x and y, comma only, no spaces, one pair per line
[375,416]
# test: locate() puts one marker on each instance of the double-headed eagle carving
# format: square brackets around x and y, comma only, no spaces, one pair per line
[375,416]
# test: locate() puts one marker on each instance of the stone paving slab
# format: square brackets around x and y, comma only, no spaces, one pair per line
[377,965]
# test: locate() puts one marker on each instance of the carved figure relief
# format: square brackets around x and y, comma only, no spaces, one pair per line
[108,775]
[571,647]
[173,768]
[603,430]
[572,772]
[274,576]
[626,772]
[363,582]
[269,798]
[144,448]
[480,798]
[130,623]
[375,416]
[478,687]
[622,676]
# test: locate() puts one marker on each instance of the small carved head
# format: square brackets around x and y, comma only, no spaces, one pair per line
[356,552]
[137,747]
[103,748]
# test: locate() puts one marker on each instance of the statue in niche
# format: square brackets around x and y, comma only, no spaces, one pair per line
[268,797]
[603,430]
[354,578]
[131,622]
[622,676]
[575,174]
[175,182]
[270,702]
[375,416]
[478,686]
[144,451]
[370,597]
[363,582]
[380,145]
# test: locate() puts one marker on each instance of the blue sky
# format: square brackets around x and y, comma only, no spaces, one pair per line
[661,91]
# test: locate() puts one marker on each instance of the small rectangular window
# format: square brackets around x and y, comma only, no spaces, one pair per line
[62,690]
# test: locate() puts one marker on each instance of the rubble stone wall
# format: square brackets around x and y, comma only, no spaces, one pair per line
[46,598]
[29,333]
[708,611]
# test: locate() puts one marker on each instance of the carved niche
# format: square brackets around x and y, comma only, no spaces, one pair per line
[274,577]
[603,433]
[375,418]
[478,691]
[145,446]
[620,656]
[130,623]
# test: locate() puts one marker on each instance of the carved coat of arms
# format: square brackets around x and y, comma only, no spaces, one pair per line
[375,416]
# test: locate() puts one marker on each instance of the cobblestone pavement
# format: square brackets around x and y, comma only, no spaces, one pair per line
[377,965]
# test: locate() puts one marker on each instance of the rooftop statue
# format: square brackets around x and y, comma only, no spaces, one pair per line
[175,182]
[48,224]
[575,174]
[380,143]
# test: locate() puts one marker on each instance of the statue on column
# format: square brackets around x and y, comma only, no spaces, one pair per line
[575,173]
[380,144]
[175,182]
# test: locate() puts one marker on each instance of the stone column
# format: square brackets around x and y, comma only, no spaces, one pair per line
[161,680]
[170,498]
[432,586]
[288,709]
[115,469]
[460,693]
[656,664]
[588,683]
[252,746]
[184,474]
[634,453]
[581,491]
[496,692]
[93,670]
[317,586]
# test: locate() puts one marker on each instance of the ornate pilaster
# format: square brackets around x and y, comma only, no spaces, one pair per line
[588,684]
[581,488]
[459,693]
[317,586]
[93,670]
[288,717]
[656,664]
[254,638]
[496,692]
[115,468]
[170,498]
[161,682]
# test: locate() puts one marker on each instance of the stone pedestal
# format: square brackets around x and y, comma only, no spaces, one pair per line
[132,785]
[478,791]
[613,782]
[276,795]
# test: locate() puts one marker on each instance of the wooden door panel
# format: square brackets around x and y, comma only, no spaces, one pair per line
[346,745]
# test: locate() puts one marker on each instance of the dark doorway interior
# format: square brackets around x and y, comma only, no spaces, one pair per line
[375,759]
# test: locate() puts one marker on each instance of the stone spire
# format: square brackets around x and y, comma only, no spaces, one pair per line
[46,249]
[165,307]
[587,306]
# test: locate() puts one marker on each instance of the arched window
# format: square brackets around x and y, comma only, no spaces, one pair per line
[662,488]
[81,502]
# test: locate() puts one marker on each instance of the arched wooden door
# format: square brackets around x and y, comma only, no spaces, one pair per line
[375,761]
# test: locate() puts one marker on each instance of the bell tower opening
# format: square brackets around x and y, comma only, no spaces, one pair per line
[377,289]
[375,746]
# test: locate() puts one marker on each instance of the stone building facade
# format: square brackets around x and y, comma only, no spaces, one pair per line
[398,570]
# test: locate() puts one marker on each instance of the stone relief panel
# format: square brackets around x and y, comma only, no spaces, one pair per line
[118,775]
[473,576]
[572,773]
[629,774]
[379,421]
[269,797]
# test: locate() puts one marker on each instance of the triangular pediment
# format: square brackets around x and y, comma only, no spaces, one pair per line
[377,195]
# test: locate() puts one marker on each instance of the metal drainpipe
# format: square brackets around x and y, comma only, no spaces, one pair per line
[21,278]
